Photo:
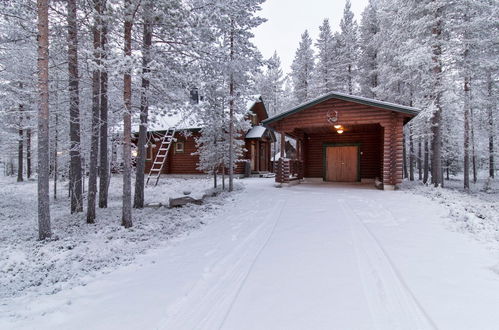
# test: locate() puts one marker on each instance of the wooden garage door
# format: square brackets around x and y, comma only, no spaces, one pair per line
[342,164]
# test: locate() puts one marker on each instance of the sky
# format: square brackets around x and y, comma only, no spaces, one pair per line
[288,19]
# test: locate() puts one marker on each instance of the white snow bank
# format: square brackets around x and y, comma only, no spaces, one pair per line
[79,251]
[476,212]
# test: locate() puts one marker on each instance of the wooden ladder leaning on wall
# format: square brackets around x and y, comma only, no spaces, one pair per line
[161,155]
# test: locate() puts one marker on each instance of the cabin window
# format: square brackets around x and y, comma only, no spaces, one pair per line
[179,147]
[150,151]
[254,119]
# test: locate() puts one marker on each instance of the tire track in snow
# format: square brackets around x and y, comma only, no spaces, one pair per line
[208,304]
[392,303]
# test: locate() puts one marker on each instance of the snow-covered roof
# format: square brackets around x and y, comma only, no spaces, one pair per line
[162,122]
[180,120]
[256,132]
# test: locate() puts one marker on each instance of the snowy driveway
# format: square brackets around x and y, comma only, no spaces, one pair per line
[313,256]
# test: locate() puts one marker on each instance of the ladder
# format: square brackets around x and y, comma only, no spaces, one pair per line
[161,155]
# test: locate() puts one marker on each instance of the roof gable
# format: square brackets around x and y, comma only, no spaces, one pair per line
[345,97]
[257,106]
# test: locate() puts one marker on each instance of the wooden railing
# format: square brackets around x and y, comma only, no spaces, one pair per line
[288,170]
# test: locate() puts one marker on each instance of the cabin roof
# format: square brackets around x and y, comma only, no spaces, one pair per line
[345,97]
[256,132]
[183,121]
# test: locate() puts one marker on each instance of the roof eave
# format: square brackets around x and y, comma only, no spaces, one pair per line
[392,107]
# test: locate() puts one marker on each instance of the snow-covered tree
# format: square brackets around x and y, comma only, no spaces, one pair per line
[270,85]
[346,60]
[233,60]
[369,48]
[323,73]
[302,70]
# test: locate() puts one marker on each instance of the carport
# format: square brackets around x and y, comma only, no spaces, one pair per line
[344,138]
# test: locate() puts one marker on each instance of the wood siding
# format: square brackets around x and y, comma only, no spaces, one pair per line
[186,163]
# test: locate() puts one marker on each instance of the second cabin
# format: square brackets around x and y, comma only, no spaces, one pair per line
[180,159]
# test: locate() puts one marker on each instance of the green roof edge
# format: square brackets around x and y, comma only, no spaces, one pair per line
[345,97]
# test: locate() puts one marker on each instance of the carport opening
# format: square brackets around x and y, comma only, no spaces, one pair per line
[354,156]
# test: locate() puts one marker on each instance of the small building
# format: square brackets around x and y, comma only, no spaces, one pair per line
[344,138]
[180,159]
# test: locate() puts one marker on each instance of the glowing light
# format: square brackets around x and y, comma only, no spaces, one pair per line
[134,153]
[337,126]
[340,131]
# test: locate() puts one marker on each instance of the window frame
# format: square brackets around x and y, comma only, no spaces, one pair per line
[177,149]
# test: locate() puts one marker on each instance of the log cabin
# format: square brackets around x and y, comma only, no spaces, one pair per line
[343,138]
[180,159]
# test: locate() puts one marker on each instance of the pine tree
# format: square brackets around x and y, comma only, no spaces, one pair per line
[369,48]
[129,16]
[94,144]
[74,110]
[302,69]
[44,230]
[346,61]
[144,104]
[271,85]
[103,110]
[325,44]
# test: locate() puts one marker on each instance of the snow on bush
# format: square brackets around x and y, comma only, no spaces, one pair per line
[79,251]
[476,212]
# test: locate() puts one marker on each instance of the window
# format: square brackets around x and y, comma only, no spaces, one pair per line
[254,119]
[179,147]
[150,151]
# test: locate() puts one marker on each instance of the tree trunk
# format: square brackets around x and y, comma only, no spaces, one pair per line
[231,113]
[436,119]
[103,159]
[28,151]
[411,155]
[491,125]
[126,219]
[94,143]
[43,120]
[20,155]
[144,106]
[420,156]
[466,136]
[56,167]
[472,132]
[426,167]
[74,111]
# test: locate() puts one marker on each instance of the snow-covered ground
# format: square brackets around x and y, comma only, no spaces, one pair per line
[475,212]
[312,256]
[78,251]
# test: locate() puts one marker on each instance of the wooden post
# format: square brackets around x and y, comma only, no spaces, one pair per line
[257,158]
[393,146]
[283,143]
[387,150]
